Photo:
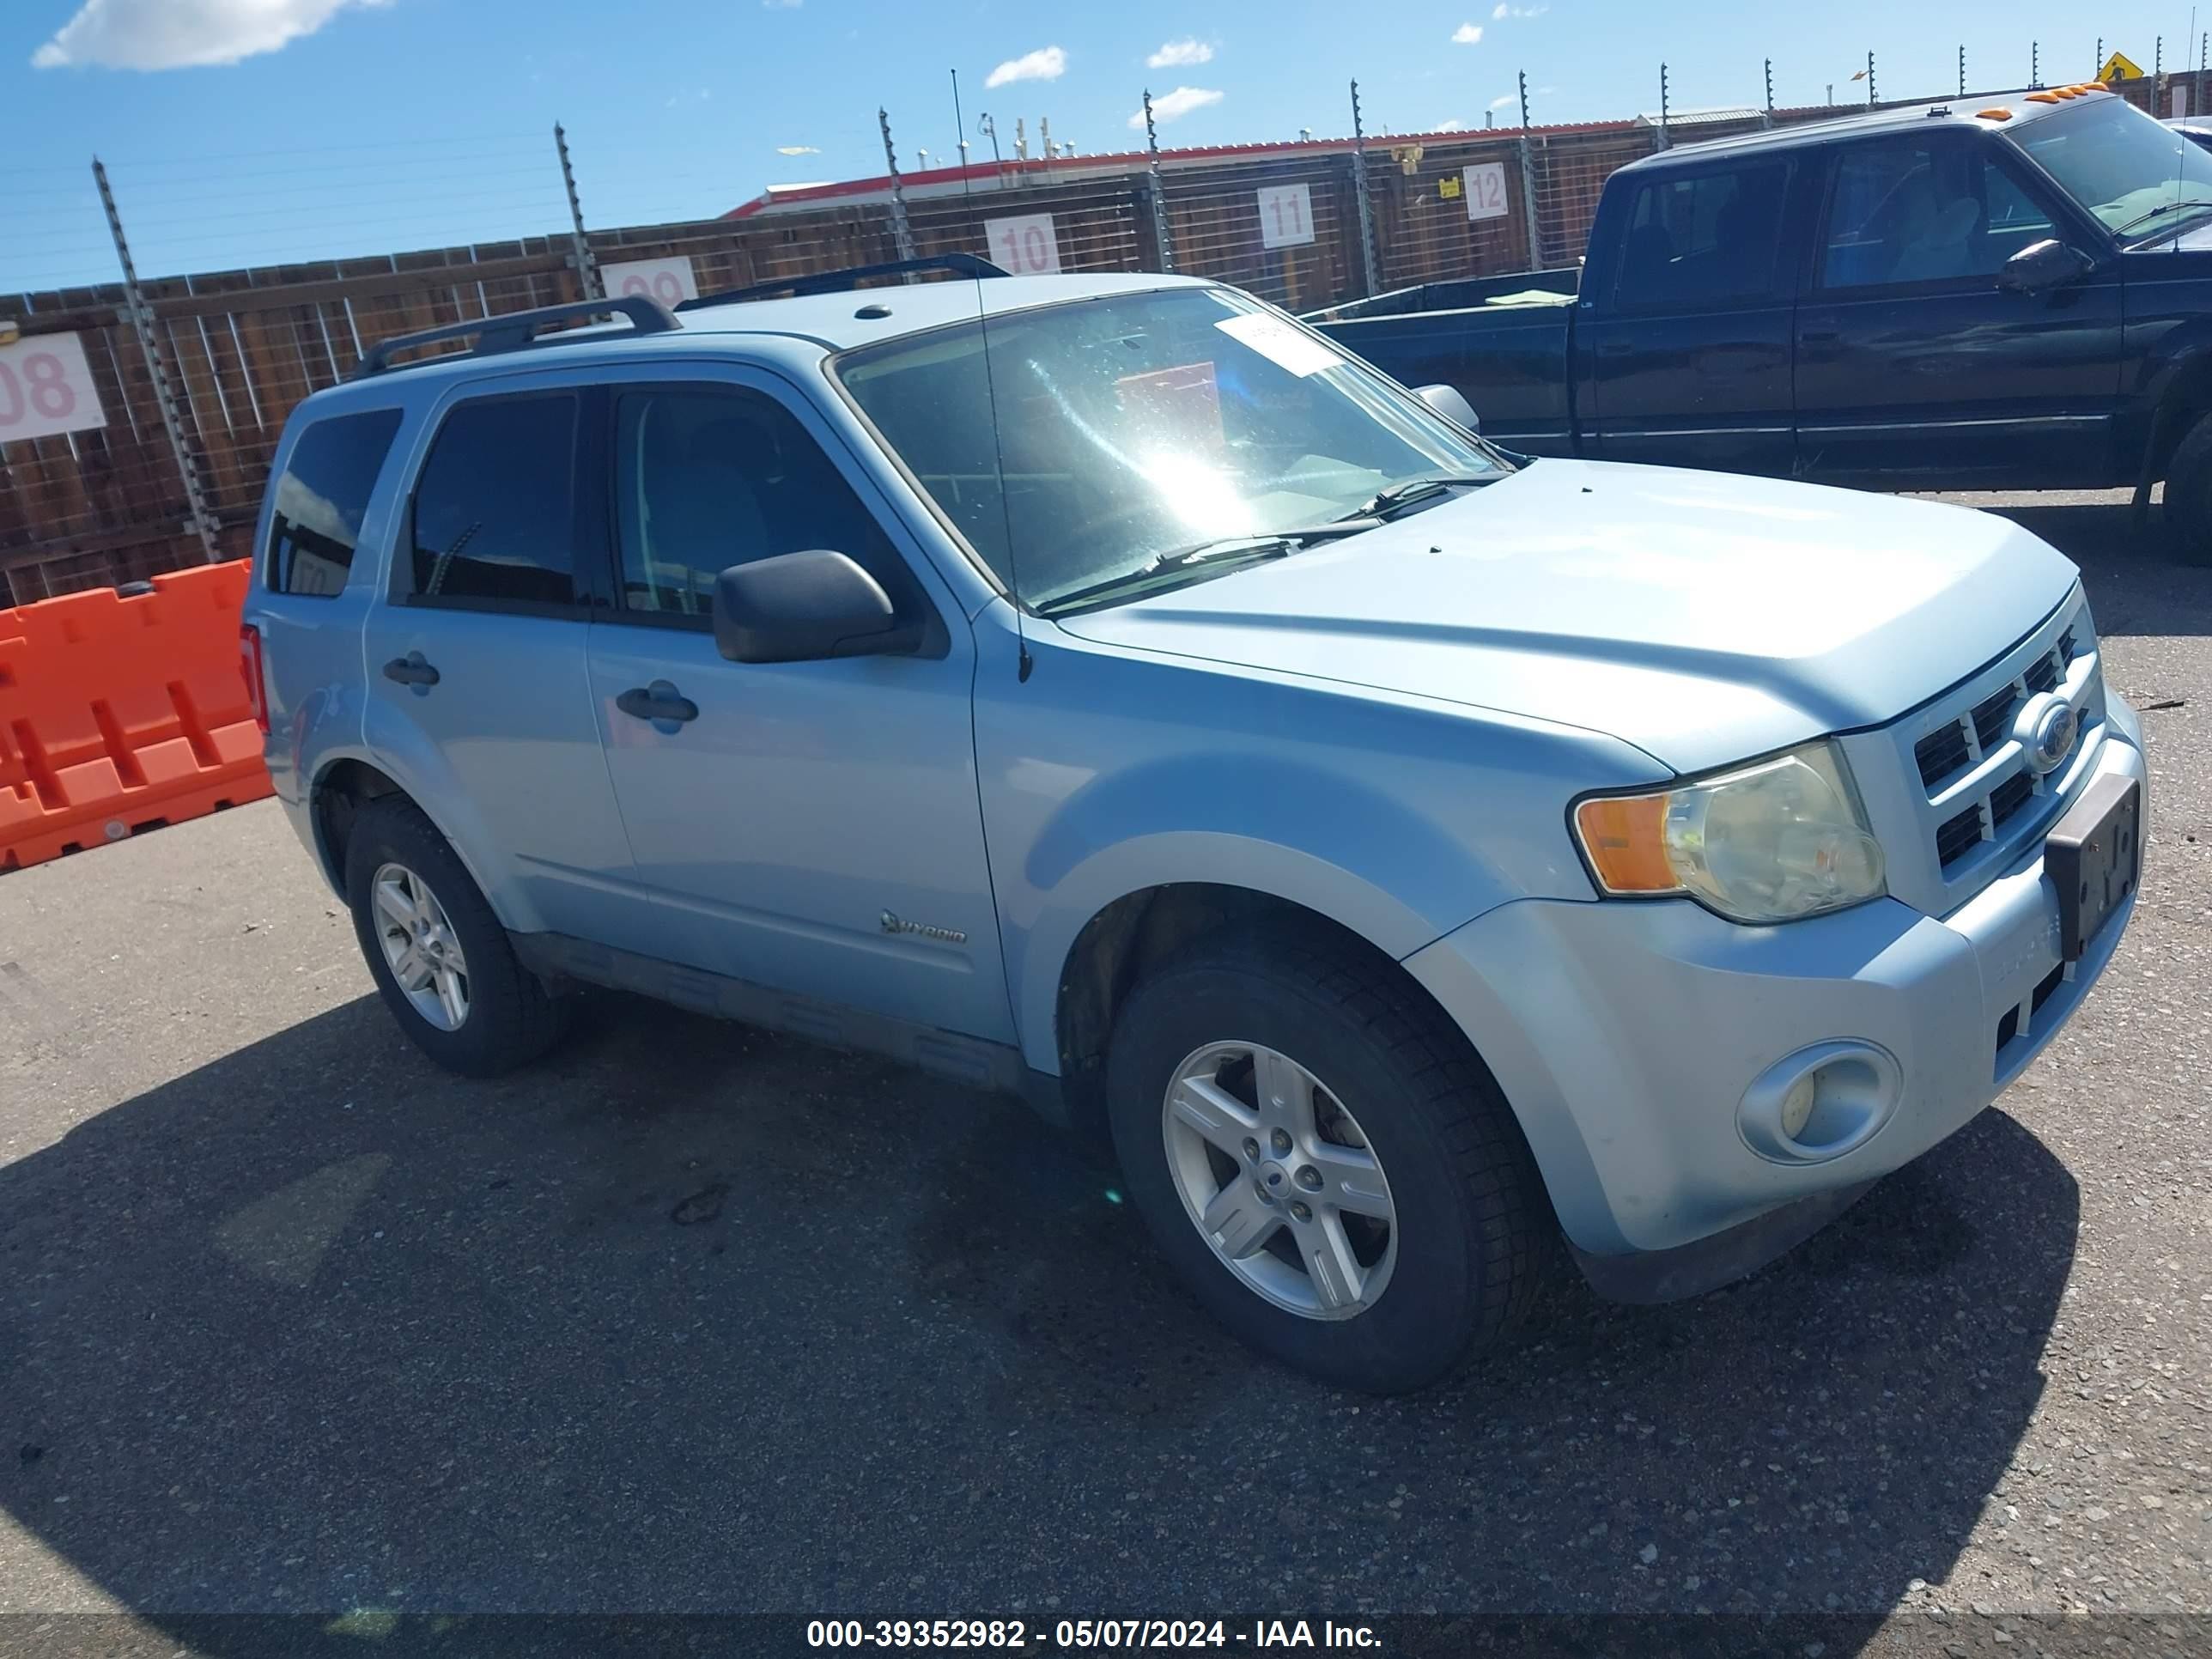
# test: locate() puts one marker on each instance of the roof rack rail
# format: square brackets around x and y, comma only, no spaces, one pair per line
[517,329]
[837,281]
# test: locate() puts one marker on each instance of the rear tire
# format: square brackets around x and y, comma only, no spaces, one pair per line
[2189,495]
[416,912]
[1454,1233]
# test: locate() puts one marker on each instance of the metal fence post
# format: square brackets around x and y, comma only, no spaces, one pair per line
[587,265]
[1160,236]
[1962,71]
[1359,194]
[1870,95]
[1528,181]
[1766,116]
[2035,64]
[901,232]
[134,312]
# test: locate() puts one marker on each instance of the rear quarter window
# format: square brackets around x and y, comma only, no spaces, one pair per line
[321,497]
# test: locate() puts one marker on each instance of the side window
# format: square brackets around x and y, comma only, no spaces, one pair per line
[321,500]
[494,509]
[1922,210]
[1704,238]
[710,476]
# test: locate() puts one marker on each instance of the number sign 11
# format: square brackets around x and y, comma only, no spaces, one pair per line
[1025,244]
[46,388]
[1486,190]
[1286,216]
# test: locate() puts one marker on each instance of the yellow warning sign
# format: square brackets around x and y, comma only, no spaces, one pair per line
[2119,67]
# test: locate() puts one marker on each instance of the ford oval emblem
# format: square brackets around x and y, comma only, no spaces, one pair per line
[2047,731]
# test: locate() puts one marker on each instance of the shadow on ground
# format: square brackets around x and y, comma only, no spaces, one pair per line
[695,1319]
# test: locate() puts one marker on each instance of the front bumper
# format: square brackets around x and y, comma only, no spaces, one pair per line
[1627,1035]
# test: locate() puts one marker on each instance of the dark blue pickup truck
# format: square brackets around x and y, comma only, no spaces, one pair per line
[2009,293]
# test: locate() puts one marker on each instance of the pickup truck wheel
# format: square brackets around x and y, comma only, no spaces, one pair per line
[439,956]
[2188,495]
[1325,1160]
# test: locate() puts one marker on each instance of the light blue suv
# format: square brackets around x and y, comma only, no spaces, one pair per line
[1103,688]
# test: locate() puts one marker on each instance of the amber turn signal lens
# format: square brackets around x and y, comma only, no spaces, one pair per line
[1624,837]
[1993,115]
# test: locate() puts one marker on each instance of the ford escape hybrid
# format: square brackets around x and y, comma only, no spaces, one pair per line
[1103,689]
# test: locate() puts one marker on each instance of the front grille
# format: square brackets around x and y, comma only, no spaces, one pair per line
[2008,797]
[1941,753]
[1958,836]
[1992,716]
[1981,795]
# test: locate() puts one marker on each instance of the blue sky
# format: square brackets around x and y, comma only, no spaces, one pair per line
[245,131]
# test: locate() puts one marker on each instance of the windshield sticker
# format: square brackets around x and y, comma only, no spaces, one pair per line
[1279,343]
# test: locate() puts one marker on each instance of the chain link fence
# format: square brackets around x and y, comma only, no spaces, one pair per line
[138,419]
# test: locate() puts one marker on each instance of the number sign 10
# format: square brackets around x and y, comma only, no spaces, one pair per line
[1286,215]
[1026,244]
[46,388]
[1486,190]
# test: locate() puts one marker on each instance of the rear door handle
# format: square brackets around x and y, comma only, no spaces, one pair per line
[659,701]
[410,670]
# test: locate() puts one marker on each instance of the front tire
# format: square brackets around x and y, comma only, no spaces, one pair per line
[440,957]
[1325,1160]
[2189,495]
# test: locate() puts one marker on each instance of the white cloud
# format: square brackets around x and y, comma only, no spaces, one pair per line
[1046,63]
[1501,102]
[1467,34]
[1504,10]
[159,34]
[1448,126]
[1175,105]
[797,150]
[1177,54]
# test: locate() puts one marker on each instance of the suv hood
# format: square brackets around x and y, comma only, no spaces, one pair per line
[1703,618]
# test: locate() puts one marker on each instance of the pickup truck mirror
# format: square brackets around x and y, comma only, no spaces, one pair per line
[2041,266]
[1451,403]
[802,607]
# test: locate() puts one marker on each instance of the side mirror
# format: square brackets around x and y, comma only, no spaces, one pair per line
[1448,402]
[802,607]
[2041,266]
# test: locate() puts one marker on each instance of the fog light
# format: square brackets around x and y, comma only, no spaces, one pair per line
[1797,1105]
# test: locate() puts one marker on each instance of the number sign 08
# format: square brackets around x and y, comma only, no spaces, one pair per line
[46,388]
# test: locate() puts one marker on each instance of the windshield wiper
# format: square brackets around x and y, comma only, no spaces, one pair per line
[1393,496]
[1270,544]
[2148,215]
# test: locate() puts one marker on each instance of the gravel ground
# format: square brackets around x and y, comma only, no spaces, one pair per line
[695,1319]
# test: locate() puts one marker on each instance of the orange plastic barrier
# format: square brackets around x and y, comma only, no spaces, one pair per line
[119,714]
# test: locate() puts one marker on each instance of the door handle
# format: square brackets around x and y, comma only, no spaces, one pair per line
[659,701]
[1819,337]
[410,670]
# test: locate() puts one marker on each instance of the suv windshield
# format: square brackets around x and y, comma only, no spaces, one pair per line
[1136,427]
[2143,180]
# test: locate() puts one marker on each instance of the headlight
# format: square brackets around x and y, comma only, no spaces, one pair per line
[1778,839]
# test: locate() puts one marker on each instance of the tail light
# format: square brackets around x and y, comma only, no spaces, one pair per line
[250,668]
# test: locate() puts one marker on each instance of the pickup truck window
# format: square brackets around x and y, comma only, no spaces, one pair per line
[2144,181]
[1909,211]
[494,516]
[709,477]
[320,499]
[1705,238]
[1134,425]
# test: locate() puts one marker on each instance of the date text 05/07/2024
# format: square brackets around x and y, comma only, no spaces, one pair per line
[1280,1635]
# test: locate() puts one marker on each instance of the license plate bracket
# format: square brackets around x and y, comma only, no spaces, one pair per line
[2094,858]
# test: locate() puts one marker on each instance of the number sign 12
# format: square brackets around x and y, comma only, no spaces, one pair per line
[1026,244]
[46,388]
[1486,190]
[1286,216]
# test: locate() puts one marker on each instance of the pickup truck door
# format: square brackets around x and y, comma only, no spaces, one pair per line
[1683,341]
[813,828]
[1912,362]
